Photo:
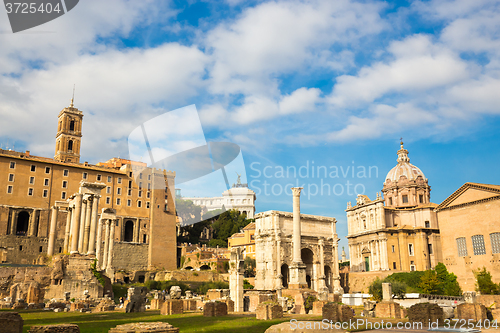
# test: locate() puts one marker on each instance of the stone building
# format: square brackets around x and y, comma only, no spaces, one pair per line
[239,197]
[59,205]
[397,232]
[470,232]
[296,251]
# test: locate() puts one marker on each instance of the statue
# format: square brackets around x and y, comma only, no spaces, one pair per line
[238,182]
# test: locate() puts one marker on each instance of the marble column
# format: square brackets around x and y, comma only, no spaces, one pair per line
[52,232]
[385,257]
[86,232]
[111,243]
[67,230]
[322,288]
[98,244]
[278,282]
[82,225]
[106,246]
[75,224]
[93,225]
[297,267]
[13,223]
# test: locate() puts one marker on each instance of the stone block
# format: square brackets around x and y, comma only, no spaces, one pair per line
[388,310]
[337,312]
[154,327]
[172,306]
[213,294]
[425,312]
[62,328]
[230,305]
[106,304]
[268,311]
[11,322]
[386,292]
[77,306]
[189,304]
[318,307]
[474,311]
[136,299]
[215,309]
[156,303]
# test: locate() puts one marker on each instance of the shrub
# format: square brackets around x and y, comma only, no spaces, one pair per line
[247,285]
[204,287]
[308,304]
[484,283]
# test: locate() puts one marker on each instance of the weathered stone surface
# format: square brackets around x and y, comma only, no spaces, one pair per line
[136,299]
[425,312]
[175,292]
[268,311]
[76,306]
[213,294]
[189,304]
[63,328]
[154,327]
[387,310]
[215,309]
[337,312]
[106,304]
[56,305]
[369,305]
[11,322]
[318,307]
[172,306]
[156,303]
[230,305]
[474,311]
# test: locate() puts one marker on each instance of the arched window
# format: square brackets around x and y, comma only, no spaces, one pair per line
[72,125]
[129,231]
[23,220]
[70,145]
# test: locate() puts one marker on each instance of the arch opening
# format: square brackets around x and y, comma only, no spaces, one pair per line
[129,231]
[23,220]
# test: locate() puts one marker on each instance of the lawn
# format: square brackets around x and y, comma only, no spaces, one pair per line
[101,322]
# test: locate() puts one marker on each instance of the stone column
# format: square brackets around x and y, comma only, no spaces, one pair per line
[385,258]
[52,232]
[67,230]
[297,268]
[82,225]
[93,225]
[322,288]
[32,221]
[351,257]
[106,246]
[111,243]
[278,282]
[99,244]
[75,224]
[337,288]
[86,232]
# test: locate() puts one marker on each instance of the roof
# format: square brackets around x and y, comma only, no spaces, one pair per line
[470,193]
[250,226]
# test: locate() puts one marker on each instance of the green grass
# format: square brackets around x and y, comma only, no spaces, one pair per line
[101,322]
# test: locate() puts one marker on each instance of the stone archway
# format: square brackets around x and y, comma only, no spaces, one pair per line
[308,260]
[204,268]
[328,277]
[284,275]
[23,221]
[129,231]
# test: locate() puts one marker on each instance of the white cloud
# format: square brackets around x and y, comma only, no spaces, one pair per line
[300,100]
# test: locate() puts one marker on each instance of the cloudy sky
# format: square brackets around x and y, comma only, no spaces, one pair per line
[314,84]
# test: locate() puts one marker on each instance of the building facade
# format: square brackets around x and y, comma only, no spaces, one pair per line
[398,231]
[245,240]
[470,232]
[41,196]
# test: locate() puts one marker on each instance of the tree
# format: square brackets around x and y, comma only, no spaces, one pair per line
[187,211]
[484,283]
[375,289]
[429,282]
[448,284]
[217,242]
[249,266]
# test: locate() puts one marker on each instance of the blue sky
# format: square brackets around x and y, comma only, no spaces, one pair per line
[336,83]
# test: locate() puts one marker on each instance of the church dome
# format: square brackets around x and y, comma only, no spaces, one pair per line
[404,168]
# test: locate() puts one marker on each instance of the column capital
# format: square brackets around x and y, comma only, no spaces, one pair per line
[296,191]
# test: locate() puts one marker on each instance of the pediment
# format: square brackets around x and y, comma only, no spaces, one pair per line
[470,193]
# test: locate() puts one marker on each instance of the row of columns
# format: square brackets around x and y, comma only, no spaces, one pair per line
[105,252]
[378,251]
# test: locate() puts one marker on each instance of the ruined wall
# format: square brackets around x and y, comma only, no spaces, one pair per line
[130,256]
[360,281]
[25,250]
[193,276]
[10,276]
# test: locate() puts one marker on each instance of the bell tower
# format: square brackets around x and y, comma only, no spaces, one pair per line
[69,134]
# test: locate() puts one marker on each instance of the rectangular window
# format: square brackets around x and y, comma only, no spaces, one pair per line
[140,194]
[129,192]
[99,177]
[430,248]
[478,245]
[47,169]
[495,242]
[119,191]
[147,205]
[129,184]
[410,249]
[130,174]
[118,201]
[108,189]
[427,224]
[421,198]
[11,177]
[148,195]
[33,168]
[63,195]
[144,238]
[462,247]
[119,181]
[393,265]
[46,182]
[85,175]
[109,179]
[30,191]
[140,175]
[65,184]
[412,266]
[149,177]
[149,186]
[12,165]
[405,199]
[108,200]
[9,189]
[140,185]
[139,203]
[45,193]
[65,173]
[393,248]
[32,180]
[129,203]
